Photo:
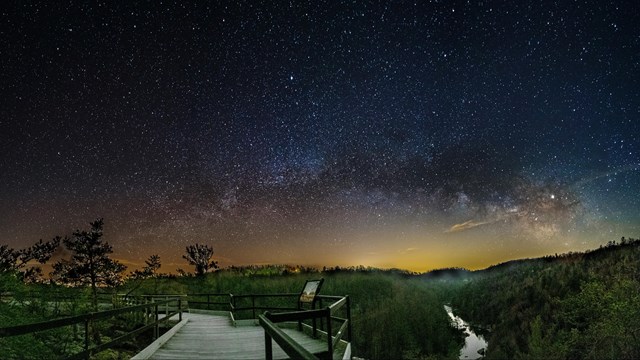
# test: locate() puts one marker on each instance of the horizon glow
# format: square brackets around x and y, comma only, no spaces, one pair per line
[415,136]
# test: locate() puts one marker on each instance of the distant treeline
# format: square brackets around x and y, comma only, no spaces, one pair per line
[285,269]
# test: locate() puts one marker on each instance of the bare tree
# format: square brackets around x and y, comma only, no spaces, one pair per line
[200,257]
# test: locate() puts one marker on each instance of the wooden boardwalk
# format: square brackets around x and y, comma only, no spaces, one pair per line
[205,336]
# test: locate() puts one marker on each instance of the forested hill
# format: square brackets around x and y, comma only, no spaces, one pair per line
[576,305]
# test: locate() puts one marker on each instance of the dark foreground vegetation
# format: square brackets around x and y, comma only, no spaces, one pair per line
[572,306]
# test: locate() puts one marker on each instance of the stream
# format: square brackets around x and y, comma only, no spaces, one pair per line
[472,343]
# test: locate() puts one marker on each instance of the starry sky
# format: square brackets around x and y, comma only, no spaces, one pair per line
[390,134]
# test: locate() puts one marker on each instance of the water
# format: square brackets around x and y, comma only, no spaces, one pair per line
[472,343]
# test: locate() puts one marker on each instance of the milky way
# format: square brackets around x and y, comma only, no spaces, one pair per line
[323,133]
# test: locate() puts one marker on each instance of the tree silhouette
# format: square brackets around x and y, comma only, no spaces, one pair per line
[18,260]
[8,258]
[200,257]
[90,263]
[150,269]
[153,264]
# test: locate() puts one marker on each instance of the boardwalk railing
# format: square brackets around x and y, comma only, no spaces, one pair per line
[328,314]
[240,306]
[151,317]
[211,301]
[256,302]
[290,346]
[322,320]
[155,309]
[168,302]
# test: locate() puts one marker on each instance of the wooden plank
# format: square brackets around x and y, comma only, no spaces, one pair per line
[298,315]
[336,305]
[215,337]
[290,346]
[149,350]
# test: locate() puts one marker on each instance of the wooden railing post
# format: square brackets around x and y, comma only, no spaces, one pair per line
[321,319]
[315,329]
[180,309]
[155,325]
[349,318]
[86,334]
[329,336]
[208,301]
[136,315]
[268,350]
[253,305]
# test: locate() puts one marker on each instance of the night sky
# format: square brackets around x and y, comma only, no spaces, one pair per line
[417,136]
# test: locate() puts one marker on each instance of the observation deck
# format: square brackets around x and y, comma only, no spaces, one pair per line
[218,326]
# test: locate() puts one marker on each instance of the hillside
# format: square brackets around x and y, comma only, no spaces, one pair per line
[576,305]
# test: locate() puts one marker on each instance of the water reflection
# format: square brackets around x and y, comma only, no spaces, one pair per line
[472,343]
